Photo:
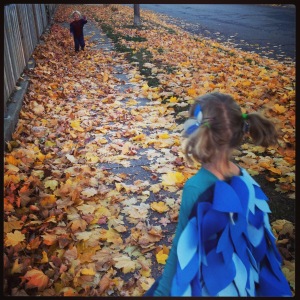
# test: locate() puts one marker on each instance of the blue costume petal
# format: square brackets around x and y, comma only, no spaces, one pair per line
[241,277]
[225,245]
[260,250]
[270,285]
[256,219]
[241,190]
[187,245]
[229,291]
[221,257]
[211,226]
[255,235]
[259,194]
[225,198]
[263,206]
[216,265]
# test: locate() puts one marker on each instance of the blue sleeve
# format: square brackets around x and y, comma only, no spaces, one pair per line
[189,197]
[84,21]
[71,28]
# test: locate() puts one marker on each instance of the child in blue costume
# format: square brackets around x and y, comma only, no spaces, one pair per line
[76,29]
[223,245]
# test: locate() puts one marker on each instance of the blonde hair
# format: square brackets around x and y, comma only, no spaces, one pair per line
[224,129]
[76,12]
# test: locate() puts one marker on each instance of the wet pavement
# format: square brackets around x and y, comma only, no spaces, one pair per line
[268,30]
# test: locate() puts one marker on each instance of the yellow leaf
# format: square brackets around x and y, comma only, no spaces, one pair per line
[89,192]
[76,125]
[279,108]
[87,271]
[13,239]
[52,184]
[38,108]
[45,258]
[163,136]
[78,224]
[12,168]
[246,83]
[38,173]
[155,188]
[191,92]
[146,283]
[86,208]
[173,100]
[161,257]
[91,157]
[48,200]
[16,268]
[11,178]
[172,178]
[105,76]
[146,273]
[145,87]
[86,235]
[112,236]
[131,102]
[125,263]
[103,211]
[49,144]
[40,156]
[264,165]
[159,206]
[139,137]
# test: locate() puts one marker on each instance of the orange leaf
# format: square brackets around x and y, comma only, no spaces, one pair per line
[274,170]
[36,279]
[34,244]
[11,160]
[49,239]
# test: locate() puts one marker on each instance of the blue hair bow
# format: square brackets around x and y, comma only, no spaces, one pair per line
[193,123]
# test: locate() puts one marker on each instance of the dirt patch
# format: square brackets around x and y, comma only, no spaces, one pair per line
[282,207]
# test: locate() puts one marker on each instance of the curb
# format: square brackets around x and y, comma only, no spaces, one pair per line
[11,116]
[15,102]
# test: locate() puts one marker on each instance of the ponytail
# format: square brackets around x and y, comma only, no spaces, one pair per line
[261,130]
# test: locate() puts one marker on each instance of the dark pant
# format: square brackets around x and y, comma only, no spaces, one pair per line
[79,41]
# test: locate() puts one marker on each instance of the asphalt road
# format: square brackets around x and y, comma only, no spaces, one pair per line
[264,29]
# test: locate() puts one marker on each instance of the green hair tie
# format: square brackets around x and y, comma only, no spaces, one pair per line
[206,124]
[245,116]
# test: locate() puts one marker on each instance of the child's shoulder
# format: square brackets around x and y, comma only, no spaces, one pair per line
[203,178]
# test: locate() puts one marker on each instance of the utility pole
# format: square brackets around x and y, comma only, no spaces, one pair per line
[137,16]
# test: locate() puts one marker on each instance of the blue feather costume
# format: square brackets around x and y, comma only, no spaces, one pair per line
[227,247]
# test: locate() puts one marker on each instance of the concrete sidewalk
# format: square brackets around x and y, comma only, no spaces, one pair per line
[136,167]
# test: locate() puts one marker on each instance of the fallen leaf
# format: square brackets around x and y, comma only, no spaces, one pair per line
[13,239]
[36,279]
[161,257]
[159,206]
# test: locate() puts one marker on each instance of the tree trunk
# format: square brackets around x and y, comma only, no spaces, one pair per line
[137,16]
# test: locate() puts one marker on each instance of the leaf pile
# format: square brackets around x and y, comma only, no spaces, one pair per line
[78,220]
